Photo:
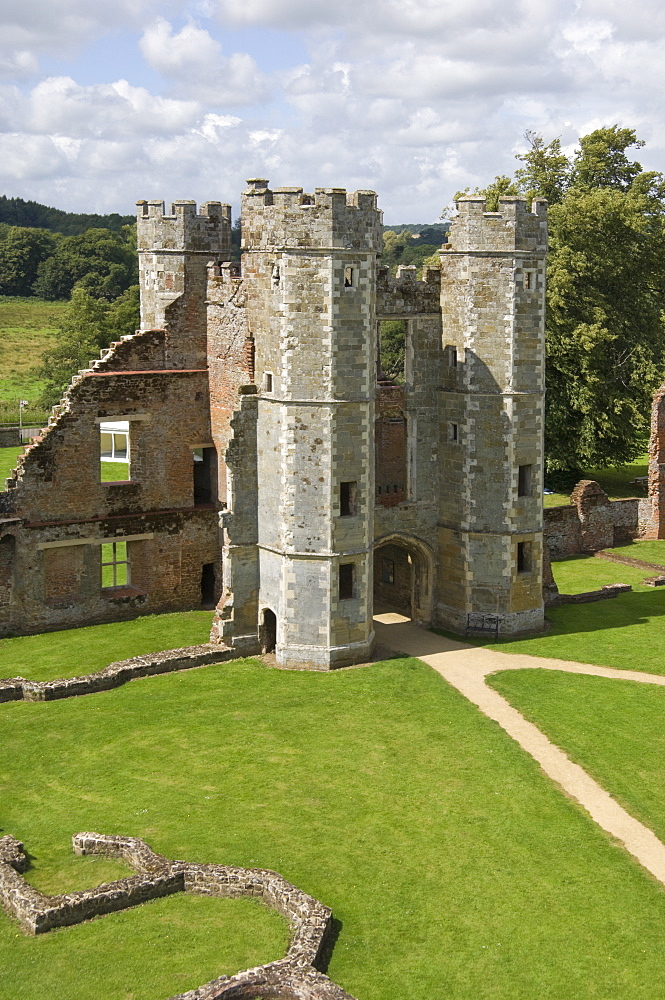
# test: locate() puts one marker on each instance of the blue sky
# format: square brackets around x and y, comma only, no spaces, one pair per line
[105,103]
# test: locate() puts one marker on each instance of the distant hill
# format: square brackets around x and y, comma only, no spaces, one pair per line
[17,212]
[430,232]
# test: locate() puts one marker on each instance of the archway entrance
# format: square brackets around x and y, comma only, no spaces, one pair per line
[403,577]
[268,631]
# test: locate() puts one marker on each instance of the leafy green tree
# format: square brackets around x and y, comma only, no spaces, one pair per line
[393,347]
[500,186]
[21,253]
[89,326]
[102,262]
[605,294]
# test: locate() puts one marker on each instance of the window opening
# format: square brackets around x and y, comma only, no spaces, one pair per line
[267,381]
[349,276]
[388,570]
[208,585]
[529,280]
[268,631]
[452,357]
[347,499]
[346,574]
[524,557]
[453,433]
[115,564]
[205,475]
[524,477]
[114,451]
[392,350]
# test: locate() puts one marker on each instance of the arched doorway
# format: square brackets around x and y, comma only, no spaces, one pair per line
[268,631]
[404,576]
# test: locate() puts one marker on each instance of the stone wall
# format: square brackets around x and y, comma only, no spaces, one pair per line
[295,976]
[591,522]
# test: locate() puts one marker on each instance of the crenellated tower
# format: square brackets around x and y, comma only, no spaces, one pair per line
[308,294]
[491,415]
[174,251]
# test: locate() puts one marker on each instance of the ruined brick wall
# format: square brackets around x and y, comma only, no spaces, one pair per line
[657,464]
[571,530]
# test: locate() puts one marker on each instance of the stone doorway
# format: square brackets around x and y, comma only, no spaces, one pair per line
[403,577]
[268,631]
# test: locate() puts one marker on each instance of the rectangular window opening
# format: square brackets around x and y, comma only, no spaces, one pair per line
[346,580]
[349,275]
[114,451]
[453,433]
[524,480]
[524,557]
[205,475]
[115,565]
[347,499]
[392,336]
[529,280]
[387,570]
[267,381]
[452,357]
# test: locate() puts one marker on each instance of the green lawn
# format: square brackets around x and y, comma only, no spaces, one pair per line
[648,551]
[456,868]
[615,481]
[27,328]
[627,632]
[83,650]
[614,729]
[113,472]
[8,457]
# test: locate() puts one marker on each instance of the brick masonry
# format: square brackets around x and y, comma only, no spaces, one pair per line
[269,373]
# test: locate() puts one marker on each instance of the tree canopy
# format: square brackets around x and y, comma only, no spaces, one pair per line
[102,262]
[605,293]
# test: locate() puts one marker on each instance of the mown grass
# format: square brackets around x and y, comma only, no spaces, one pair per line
[8,458]
[83,650]
[27,329]
[113,472]
[649,551]
[615,481]
[614,729]
[455,867]
[627,632]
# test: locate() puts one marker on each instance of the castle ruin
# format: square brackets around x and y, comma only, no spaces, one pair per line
[273,470]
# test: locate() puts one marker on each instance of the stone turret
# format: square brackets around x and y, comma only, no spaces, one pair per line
[173,252]
[309,272]
[493,316]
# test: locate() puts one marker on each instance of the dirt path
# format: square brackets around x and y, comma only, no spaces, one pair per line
[466,667]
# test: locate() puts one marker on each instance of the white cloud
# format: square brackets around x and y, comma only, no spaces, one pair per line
[61,26]
[192,60]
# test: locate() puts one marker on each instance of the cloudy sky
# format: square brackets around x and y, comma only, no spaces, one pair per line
[104,102]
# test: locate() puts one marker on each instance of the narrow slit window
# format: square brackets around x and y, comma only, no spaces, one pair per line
[346,574]
[452,357]
[524,557]
[267,381]
[453,433]
[349,276]
[114,451]
[115,564]
[529,280]
[347,499]
[387,571]
[524,480]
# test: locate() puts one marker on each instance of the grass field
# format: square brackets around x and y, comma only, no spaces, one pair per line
[456,868]
[627,632]
[83,650]
[27,327]
[649,551]
[614,729]
[8,457]
[615,481]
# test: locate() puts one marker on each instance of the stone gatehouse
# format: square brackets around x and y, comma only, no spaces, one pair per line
[271,468]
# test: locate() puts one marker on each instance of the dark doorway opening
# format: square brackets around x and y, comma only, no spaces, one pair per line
[208,585]
[205,475]
[268,631]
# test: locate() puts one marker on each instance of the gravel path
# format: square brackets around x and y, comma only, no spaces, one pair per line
[466,667]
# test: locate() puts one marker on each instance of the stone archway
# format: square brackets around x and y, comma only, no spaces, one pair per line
[404,576]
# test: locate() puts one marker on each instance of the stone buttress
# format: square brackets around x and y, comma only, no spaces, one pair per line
[491,416]
[300,330]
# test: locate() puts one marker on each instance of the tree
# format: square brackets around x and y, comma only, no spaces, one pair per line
[605,294]
[89,326]
[21,253]
[102,262]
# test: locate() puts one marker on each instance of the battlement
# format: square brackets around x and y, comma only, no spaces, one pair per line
[287,217]
[183,229]
[513,227]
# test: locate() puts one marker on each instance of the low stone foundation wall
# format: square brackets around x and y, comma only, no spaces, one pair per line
[628,561]
[116,674]
[294,977]
[607,592]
